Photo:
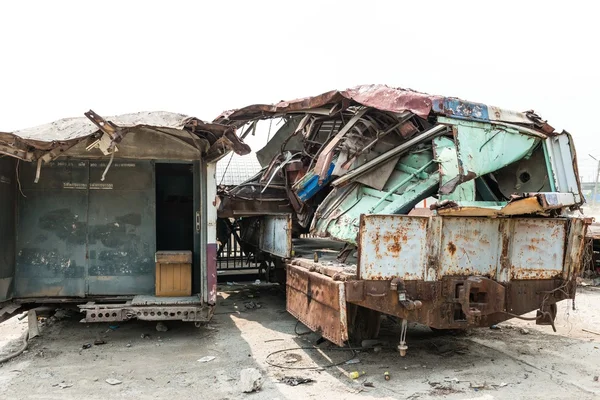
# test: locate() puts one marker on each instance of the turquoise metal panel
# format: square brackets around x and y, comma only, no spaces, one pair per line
[445,153]
[414,179]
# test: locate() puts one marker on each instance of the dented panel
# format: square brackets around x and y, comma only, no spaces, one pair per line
[276,235]
[318,302]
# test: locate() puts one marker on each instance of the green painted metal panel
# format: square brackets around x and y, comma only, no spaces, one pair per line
[445,153]
[414,178]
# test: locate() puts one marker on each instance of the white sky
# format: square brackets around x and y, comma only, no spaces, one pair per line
[61,58]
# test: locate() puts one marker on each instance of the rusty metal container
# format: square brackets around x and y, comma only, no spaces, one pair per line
[173,273]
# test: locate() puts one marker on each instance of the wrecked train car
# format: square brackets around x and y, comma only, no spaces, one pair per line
[116,215]
[335,204]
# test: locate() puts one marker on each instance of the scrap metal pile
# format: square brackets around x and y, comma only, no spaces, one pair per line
[380,150]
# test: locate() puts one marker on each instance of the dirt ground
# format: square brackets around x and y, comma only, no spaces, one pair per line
[520,360]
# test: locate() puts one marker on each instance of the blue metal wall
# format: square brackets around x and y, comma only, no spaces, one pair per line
[78,235]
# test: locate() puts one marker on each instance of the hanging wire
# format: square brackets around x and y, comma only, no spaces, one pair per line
[226,168]
[18,180]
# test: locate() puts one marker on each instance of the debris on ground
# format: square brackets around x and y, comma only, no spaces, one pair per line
[145,336]
[596,378]
[590,331]
[353,361]
[206,359]
[356,374]
[250,380]
[250,305]
[99,342]
[478,385]
[386,376]
[86,346]
[113,381]
[495,327]
[113,327]
[524,331]
[63,385]
[161,327]
[368,384]
[295,380]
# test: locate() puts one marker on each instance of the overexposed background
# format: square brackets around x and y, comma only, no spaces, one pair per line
[61,58]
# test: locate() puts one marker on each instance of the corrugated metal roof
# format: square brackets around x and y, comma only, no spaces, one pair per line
[237,169]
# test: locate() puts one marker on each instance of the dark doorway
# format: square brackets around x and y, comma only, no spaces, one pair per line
[174,207]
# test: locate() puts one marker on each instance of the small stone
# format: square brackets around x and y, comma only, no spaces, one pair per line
[128,345]
[596,378]
[161,327]
[524,331]
[250,380]
[113,381]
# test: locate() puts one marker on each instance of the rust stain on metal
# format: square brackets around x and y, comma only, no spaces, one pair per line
[451,248]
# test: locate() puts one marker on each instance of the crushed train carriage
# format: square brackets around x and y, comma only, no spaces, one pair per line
[334,205]
[115,215]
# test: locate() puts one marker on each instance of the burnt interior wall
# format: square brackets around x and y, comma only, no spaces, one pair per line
[78,235]
[7,226]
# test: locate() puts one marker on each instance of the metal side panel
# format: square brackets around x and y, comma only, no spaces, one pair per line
[538,248]
[469,246]
[121,229]
[561,157]
[7,226]
[502,249]
[392,246]
[318,302]
[52,230]
[276,235]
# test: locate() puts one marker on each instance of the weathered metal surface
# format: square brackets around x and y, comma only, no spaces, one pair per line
[452,302]
[52,231]
[529,203]
[483,148]
[52,140]
[444,150]
[537,248]
[390,248]
[8,191]
[398,246]
[276,235]
[121,228]
[78,235]
[147,308]
[318,302]
[563,165]
[460,302]
[387,99]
